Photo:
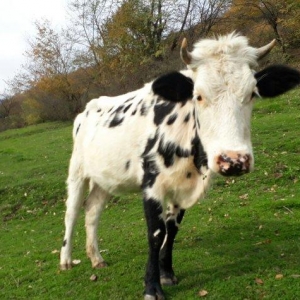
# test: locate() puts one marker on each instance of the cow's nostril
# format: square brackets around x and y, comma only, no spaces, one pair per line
[234,165]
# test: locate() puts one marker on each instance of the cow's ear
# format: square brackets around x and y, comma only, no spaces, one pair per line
[276,80]
[174,87]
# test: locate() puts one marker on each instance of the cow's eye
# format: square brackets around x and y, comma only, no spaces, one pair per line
[199,98]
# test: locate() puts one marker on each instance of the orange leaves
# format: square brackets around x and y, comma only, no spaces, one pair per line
[203,293]
[279,276]
[264,242]
[259,281]
[93,277]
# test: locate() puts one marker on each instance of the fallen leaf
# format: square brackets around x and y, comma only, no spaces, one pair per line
[54,251]
[203,293]
[278,175]
[268,241]
[103,250]
[259,281]
[93,277]
[245,196]
[76,262]
[278,276]
[295,276]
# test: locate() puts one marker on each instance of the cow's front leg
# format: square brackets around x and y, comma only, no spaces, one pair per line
[167,275]
[156,235]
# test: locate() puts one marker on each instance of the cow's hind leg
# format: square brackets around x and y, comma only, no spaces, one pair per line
[93,207]
[76,189]
[167,275]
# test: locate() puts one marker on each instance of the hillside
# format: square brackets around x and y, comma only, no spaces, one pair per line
[241,243]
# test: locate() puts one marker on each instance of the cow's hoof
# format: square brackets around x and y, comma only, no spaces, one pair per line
[157,297]
[153,292]
[65,267]
[172,280]
[100,265]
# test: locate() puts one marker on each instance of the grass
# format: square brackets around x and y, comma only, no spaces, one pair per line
[242,242]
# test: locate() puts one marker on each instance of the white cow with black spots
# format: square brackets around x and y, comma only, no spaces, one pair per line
[167,140]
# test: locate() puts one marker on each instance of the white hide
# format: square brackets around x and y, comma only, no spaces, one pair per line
[103,152]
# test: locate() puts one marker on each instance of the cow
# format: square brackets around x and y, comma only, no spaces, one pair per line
[167,140]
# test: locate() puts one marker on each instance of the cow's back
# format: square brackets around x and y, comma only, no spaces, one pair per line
[110,137]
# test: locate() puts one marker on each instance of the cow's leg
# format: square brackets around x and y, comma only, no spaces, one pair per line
[76,189]
[167,275]
[93,207]
[156,234]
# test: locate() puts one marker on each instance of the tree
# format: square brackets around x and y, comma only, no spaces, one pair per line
[10,112]
[198,18]
[50,61]
[132,35]
[278,15]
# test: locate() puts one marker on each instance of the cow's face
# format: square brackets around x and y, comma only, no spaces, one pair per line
[224,88]
[224,101]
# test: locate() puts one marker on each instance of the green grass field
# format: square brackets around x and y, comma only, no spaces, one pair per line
[241,242]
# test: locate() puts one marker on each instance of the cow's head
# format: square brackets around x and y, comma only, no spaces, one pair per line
[224,87]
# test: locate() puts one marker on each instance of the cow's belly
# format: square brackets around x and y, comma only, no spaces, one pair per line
[112,159]
[115,177]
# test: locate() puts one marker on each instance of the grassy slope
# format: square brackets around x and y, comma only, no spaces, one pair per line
[232,245]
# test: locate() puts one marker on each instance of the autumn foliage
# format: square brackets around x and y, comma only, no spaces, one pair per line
[110,47]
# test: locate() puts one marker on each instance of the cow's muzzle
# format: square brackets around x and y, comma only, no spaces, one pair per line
[233,164]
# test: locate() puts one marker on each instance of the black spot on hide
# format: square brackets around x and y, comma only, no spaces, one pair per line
[276,80]
[174,87]
[78,129]
[128,100]
[200,158]
[133,113]
[127,165]
[144,109]
[187,118]
[150,144]
[150,172]
[168,150]
[118,109]
[116,121]
[161,110]
[64,243]
[127,107]
[180,152]
[172,119]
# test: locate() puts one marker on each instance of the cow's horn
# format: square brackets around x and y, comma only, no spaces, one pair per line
[263,51]
[185,54]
